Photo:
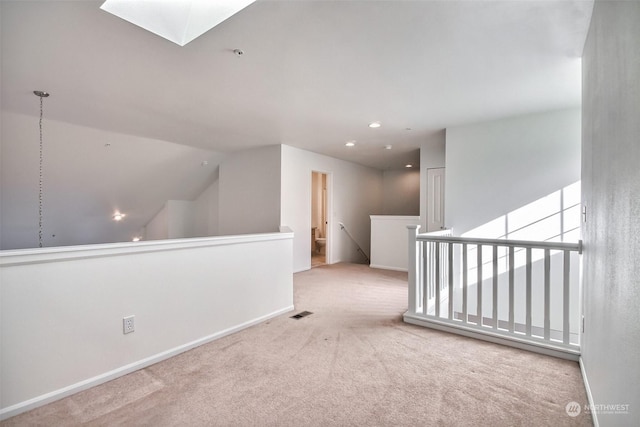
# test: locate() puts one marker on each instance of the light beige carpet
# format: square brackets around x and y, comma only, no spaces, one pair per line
[353,362]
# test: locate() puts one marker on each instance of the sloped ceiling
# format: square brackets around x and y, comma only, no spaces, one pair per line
[313,75]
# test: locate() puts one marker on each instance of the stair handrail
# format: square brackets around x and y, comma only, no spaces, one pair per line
[366,257]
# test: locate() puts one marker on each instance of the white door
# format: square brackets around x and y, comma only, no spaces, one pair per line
[435,199]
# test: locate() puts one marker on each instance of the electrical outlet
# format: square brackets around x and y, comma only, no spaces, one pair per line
[128,324]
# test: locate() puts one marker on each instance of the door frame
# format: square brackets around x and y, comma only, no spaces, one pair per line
[328,215]
[431,198]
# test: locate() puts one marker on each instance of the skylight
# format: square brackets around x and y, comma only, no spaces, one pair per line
[179,21]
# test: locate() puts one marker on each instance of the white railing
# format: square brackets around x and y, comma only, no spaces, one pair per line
[526,292]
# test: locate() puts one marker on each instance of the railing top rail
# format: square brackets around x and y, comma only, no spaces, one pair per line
[502,242]
[444,232]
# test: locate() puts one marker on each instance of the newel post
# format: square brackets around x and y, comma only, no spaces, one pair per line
[413,266]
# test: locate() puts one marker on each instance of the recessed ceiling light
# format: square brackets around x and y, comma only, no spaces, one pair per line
[135,239]
[387,147]
[408,165]
[374,125]
[350,143]
[118,216]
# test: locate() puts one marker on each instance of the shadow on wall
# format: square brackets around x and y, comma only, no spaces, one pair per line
[552,218]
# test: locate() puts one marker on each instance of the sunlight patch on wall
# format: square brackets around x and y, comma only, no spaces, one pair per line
[552,218]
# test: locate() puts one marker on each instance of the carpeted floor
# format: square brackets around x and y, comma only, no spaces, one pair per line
[353,362]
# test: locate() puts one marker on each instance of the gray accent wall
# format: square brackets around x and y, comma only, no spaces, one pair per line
[401,192]
[611,194]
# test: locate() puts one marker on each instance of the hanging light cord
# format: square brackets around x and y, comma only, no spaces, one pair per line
[40,94]
[40,183]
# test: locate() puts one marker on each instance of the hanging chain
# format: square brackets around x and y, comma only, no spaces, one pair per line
[40,183]
[40,94]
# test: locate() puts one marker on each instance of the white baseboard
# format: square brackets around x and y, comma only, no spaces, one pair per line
[583,371]
[44,399]
[493,337]
[386,267]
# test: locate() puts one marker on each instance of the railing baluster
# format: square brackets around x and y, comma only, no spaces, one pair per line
[425,277]
[464,283]
[427,270]
[432,275]
[450,274]
[528,297]
[511,289]
[418,272]
[437,255]
[547,294]
[479,302]
[495,287]
[418,276]
[443,269]
[412,232]
[565,298]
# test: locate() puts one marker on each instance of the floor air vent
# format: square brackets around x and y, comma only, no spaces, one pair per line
[301,315]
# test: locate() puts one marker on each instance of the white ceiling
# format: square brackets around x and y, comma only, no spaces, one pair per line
[313,75]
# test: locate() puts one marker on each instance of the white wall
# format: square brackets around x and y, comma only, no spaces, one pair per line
[390,241]
[176,220]
[249,191]
[158,227]
[62,308]
[356,194]
[432,155]
[496,167]
[401,192]
[184,218]
[206,212]
[180,218]
[611,194]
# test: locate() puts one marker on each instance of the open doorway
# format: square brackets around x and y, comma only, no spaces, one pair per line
[319,219]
